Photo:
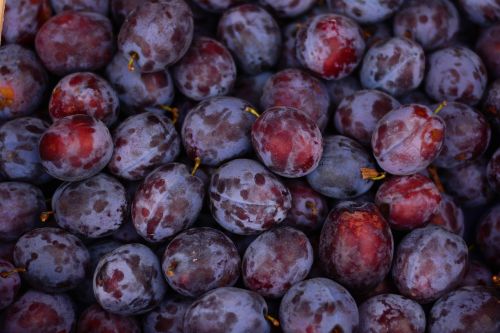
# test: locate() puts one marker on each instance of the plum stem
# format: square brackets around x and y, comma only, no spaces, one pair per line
[496,280]
[133,58]
[372,174]
[312,206]
[440,107]
[492,110]
[197,163]
[170,270]
[6,96]
[275,322]
[6,274]
[435,178]
[252,111]
[173,111]
[44,216]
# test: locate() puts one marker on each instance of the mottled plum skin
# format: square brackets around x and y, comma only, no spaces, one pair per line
[449,216]
[394,65]
[252,35]
[168,317]
[199,260]
[206,70]
[250,88]
[391,313]
[493,171]
[20,207]
[466,137]
[227,309]
[218,129]
[298,89]
[455,74]
[340,89]
[142,143]
[75,147]
[287,141]
[429,262]
[75,42]
[84,93]
[168,201]
[159,32]
[23,81]
[10,285]
[491,105]
[276,260]
[318,305]
[22,20]
[365,11]
[488,236]
[97,6]
[408,202]
[55,260]
[356,245]
[96,320]
[330,45]
[338,173]
[407,139]
[468,184]
[309,208]
[433,24]
[19,157]
[128,280]
[357,115]
[95,207]
[37,312]
[245,198]
[478,274]
[487,47]
[137,90]
[482,12]
[468,309]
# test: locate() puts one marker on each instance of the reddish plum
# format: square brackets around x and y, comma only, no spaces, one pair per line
[10,283]
[94,319]
[22,20]
[449,216]
[488,236]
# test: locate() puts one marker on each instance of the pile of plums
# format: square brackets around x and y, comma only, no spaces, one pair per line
[250,166]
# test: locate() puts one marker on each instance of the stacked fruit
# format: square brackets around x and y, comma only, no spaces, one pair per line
[250,166]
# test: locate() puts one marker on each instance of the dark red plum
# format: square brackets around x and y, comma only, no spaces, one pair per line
[128,280]
[407,139]
[408,202]
[252,35]
[365,11]
[482,12]
[19,156]
[318,305]
[467,135]
[97,6]
[251,88]
[55,260]
[488,236]
[93,208]
[75,147]
[391,313]
[168,317]
[245,198]
[168,201]
[84,93]
[218,129]
[338,173]
[358,114]
[37,312]
[356,245]
[330,45]
[478,274]
[276,260]
[429,262]
[199,260]
[10,283]
[449,216]
[433,24]
[297,89]
[23,82]
[156,34]
[468,309]
[227,309]
[75,42]
[394,65]
[142,143]
[309,208]
[455,74]
[340,89]
[20,207]
[287,141]
[94,319]
[22,20]
[206,70]
[493,171]
[488,46]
